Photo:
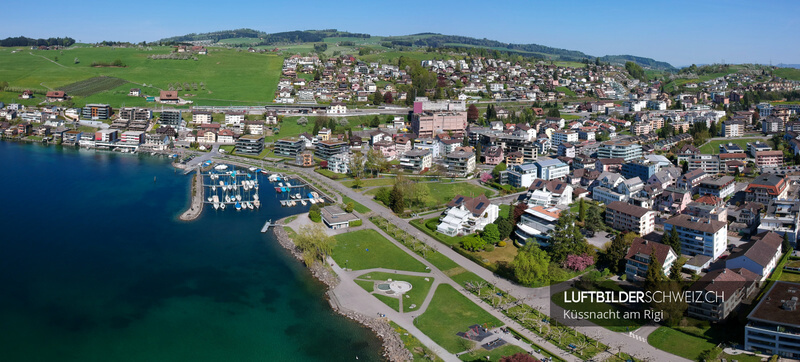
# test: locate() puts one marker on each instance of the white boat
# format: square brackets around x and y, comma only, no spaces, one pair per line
[227,198]
[303,202]
[250,205]
[221,167]
[238,206]
[280,184]
[222,183]
[255,197]
[298,196]
[210,199]
[216,206]
[222,206]
[257,203]
[238,197]
[213,188]
[252,169]
[255,185]
[312,201]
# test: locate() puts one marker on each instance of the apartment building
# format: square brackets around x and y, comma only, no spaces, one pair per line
[416,160]
[289,147]
[773,327]
[721,292]
[620,149]
[326,149]
[721,187]
[623,216]
[637,261]
[782,217]
[699,235]
[460,163]
[252,144]
[767,187]
[429,124]
[769,158]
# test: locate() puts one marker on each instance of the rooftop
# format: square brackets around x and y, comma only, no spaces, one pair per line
[776,305]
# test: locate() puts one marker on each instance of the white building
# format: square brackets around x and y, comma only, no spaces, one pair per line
[466,215]
[699,235]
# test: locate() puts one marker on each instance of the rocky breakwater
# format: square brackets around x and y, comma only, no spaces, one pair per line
[393,347]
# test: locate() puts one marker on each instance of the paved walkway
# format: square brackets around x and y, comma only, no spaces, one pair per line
[538,298]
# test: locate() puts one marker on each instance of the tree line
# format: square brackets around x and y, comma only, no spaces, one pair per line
[23,41]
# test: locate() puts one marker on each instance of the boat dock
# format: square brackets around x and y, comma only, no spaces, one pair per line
[267,226]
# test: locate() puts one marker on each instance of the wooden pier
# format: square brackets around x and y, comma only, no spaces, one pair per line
[267,225]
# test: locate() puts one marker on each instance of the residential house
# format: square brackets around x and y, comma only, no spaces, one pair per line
[493,155]
[709,207]
[637,260]
[536,223]
[760,255]
[551,169]
[460,163]
[767,187]
[721,187]
[466,215]
[691,179]
[699,235]
[626,217]
[549,193]
[339,163]
[720,293]
[782,217]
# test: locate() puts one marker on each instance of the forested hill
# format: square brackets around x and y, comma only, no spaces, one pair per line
[287,37]
[431,40]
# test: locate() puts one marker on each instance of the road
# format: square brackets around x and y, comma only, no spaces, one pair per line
[535,297]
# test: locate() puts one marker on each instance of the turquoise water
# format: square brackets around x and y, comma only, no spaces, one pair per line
[95,266]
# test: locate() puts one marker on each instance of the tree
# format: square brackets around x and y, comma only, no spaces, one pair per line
[531,264]
[504,226]
[314,213]
[377,98]
[491,234]
[388,98]
[356,165]
[673,240]
[497,169]
[786,245]
[472,113]
[396,200]
[578,262]
[478,152]
[473,243]
[567,239]
[655,273]
[315,244]
[614,256]
[349,207]
[675,270]
[519,209]
[594,221]
[581,210]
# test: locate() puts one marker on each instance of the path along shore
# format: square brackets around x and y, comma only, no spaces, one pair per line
[196,206]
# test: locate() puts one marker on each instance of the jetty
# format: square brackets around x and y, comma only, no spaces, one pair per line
[197,199]
[267,226]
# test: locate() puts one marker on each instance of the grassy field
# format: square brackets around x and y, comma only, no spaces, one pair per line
[678,343]
[290,128]
[713,146]
[419,287]
[493,355]
[787,73]
[449,313]
[442,193]
[566,91]
[386,181]
[228,75]
[418,350]
[393,303]
[356,206]
[366,249]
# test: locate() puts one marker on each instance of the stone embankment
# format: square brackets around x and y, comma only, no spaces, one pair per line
[197,200]
[393,347]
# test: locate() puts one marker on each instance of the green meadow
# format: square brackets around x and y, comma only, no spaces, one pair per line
[229,76]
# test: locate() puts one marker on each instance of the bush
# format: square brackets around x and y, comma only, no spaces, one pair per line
[489,247]
[356,223]
[348,207]
[315,214]
[501,244]
[432,224]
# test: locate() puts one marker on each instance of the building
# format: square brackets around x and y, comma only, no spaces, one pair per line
[96,111]
[773,327]
[201,117]
[691,179]
[730,148]
[132,138]
[169,97]
[759,256]
[637,260]
[771,124]
[460,162]
[782,217]
[56,96]
[626,217]
[536,223]
[289,147]
[721,187]
[562,136]
[466,215]
[710,164]
[709,207]
[549,193]
[758,146]
[339,163]
[171,118]
[493,155]
[720,292]
[326,149]
[134,114]
[251,144]
[337,108]
[551,169]
[335,218]
[304,159]
[769,158]
[430,124]
[642,169]
[234,118]
[699,235]
[522,175]
[732,129]
[416,160]
[766,187]
[620,149]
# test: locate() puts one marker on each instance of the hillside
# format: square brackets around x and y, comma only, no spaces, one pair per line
[250,37]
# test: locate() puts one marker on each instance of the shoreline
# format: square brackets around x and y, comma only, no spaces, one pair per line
[393,347]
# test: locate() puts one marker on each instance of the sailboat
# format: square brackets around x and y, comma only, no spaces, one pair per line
[238,206]
[249,205]
[222,206]
[257,203]
[227,198]
[303,202]
[255,197]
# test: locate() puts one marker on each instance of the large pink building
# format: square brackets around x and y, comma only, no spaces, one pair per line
[769,158]
[429,124]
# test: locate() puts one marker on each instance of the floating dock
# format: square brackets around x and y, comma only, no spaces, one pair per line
[267,225]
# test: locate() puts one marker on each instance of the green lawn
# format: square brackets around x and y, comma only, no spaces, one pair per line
[418,350]
[329,174]
[419,287]
[229,76]
[713,146]
[788,276]
[464,277]
[441,262]
[366,249]
[366,284]
[787,73]
[393,303]
[385,181]
[678,343]
[356,206]
[493,355]
[449,313]
[441,193]
[566,91]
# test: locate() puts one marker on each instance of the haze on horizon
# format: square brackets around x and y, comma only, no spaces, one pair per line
[678,32]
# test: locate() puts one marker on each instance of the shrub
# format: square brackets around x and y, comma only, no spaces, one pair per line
[348,207]
[314,213]
[489,247]
[501,244]
[432,224]
[578,262]
[356,223]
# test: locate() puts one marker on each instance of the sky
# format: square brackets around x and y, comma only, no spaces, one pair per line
[678,32]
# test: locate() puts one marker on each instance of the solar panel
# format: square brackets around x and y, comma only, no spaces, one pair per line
[480,205]
[459,200]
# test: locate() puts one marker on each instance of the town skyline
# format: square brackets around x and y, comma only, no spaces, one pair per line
[681,33]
